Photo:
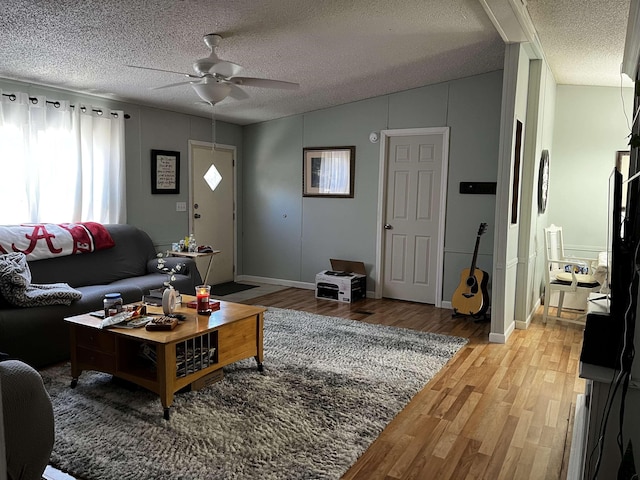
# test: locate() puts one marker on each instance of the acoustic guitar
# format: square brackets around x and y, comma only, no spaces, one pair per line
[471,297]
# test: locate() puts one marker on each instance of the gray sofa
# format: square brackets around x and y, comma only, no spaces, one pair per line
[40,337]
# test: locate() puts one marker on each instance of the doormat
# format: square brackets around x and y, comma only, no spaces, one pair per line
[228,288]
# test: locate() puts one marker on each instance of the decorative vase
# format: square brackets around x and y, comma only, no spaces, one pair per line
[169,300]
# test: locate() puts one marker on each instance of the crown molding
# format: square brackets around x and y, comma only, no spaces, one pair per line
[512,21]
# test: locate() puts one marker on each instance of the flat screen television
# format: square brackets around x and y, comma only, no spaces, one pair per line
[623,283]
[615,234]
[604,336]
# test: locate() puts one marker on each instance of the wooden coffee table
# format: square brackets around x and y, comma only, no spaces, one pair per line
[167,361]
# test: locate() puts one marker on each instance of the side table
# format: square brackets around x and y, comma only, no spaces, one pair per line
[195,255]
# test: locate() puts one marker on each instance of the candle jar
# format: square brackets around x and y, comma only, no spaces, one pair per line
[203,293]
[112,304]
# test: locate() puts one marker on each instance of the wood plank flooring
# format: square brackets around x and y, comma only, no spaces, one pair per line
[494,412]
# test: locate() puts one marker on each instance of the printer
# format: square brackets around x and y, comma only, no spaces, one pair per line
[345,282]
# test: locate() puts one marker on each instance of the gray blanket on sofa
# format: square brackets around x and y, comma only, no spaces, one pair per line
[17,289]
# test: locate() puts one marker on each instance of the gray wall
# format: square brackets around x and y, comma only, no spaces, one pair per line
[291,238]
[542,138]
[505,249]
[590,126]
[151,128]
[474,117]
[271,233]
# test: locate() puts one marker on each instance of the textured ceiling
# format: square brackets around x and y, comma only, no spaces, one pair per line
[583,40]
[339,51]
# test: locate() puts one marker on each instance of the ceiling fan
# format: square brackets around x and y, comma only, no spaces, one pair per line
[216,79]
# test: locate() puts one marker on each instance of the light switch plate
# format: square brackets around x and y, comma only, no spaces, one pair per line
[181,206]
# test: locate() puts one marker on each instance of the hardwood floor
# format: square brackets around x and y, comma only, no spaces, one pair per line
[494,412]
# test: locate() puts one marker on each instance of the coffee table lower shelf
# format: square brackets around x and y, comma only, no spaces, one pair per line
[165,362]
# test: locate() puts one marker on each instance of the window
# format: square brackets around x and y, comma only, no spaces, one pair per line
[60,164]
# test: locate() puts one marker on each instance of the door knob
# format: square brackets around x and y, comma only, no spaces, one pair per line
[388,226]
[197,215]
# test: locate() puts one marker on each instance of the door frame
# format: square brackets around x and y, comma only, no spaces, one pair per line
[385,135]
[234,154]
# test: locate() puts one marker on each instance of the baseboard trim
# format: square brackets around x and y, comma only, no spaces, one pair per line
[276,281]
[523,325]
[284,283]
[502,337]
[497,338]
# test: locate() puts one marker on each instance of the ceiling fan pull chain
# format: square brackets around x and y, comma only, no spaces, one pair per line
[213,127]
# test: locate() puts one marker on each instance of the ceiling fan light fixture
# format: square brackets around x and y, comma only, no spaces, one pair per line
[216,79]
[212,92]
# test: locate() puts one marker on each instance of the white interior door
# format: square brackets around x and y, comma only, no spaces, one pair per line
[412,217]
[213,211]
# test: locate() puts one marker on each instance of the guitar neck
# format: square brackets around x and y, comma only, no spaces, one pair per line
[475,257]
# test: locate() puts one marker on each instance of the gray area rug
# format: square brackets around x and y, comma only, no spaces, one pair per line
[328,389]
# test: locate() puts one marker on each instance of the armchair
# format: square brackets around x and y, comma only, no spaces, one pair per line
[27,422]
[565,274]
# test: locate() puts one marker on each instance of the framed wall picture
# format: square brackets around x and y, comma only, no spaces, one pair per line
[328,172]
[622,164]
[165,171]
[515,188]
[543,181]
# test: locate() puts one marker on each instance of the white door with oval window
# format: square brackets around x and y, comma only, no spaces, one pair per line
[412,220]
[213,211]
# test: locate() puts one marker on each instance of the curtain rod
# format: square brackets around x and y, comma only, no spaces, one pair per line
[56,104]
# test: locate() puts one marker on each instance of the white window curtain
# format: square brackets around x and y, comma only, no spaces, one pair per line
[334,172]
[60,164]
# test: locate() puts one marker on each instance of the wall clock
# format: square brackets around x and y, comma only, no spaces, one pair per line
[543,181]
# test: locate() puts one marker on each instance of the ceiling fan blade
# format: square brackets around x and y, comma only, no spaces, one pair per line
[166,71]
[237,93]
[226,69]
[172,85]
[264,83]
